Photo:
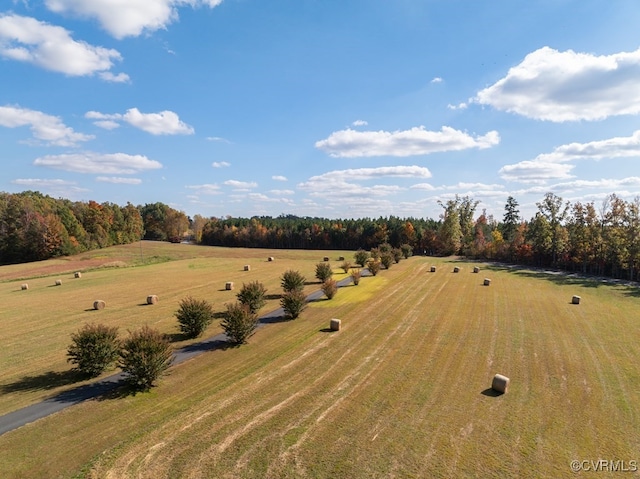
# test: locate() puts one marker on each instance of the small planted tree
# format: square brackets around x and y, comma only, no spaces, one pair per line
[407,250]
[194,316]
[94,349]
[252,296]
[293,303]
[356,274]
[292,281]
[346,266]
[386,259]
[144,357]
[323,272]
[239,323]
[397,254]
[361,257]
[330,288]
[375,253]
[374,267]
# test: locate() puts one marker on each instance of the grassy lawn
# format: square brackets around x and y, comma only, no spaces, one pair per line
[400,391]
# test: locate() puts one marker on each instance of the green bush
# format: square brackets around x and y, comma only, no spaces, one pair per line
[292,281]
[397,254]
[407,250]
[293,303]
[330,288]
[239,323]
[356,274]
[374,253]
[346,266]
[94,349]
[145,356]
[386,259]
[361,257]
[323,272]
[252,296]
[374,267]
[194,315]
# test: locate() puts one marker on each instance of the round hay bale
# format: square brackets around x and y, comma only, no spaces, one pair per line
[77,274]
[456,270]
[270,258]
[99,304]
[575,300]
[476,269]
[326,258]
[58,282]
[433,269]
[500,383]
[152,299]
[487,281]
[247,267]
[335,324]
[228,286]
[341,258]
[24,287]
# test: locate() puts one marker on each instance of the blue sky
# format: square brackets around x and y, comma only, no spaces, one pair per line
[333,108]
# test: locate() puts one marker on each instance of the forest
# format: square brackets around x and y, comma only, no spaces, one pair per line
[587,238]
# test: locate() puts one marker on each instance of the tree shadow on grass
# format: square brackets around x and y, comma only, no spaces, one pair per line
[43,382]
[490,392]
[272,296]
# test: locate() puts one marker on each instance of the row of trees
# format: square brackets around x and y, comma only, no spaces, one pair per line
[34,226]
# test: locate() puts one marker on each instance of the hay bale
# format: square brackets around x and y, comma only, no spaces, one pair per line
[58,282]
[152,299]
[575,300]
[500,383]
[24,287]
[340,258]
[487,281]
[228,286]
[77,274]
[326,258]
[456,270]
[99,304]
[247,267]
[270,258]
[476,269]
[335,324]
[433,269]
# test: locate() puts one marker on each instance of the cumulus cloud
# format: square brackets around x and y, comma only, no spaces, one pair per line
[568,86]
[279,178]
[416,141]
[220,164]
[282,192]
[54,186]
[360,123]
[205,189]
[128,18]
[535,171]
[97,163]
[163,123]
[46,128]
[437,80]
[52,48]
[241,184]
[118,180]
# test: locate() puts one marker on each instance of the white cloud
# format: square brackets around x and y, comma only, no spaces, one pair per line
[54,186]
[360,123]
[568,86]
[119,180]
[618,147]
[128,18]
[241,184]
[47,128]
[206,189]
[535,171]
[163,123]
[220,164]
[416,141]
[459,106]
[279,178]
[437,80]
[422,186]
[282,192]
[107,124]
[218,139]
[51,47]
[97,163]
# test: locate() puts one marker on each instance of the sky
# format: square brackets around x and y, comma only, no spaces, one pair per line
[330,108]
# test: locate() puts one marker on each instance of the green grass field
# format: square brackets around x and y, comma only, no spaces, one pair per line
[400,391]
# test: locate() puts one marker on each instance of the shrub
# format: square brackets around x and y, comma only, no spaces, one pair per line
[374,267]
[397,254]
[292,281]
[356,274]
[407,250]
[346,266]
[385,248]
[386,259]
[293,303]
[239,323]
[252,296]
[194,315]
[330,288]
[323,272]
[94,349]
[361,257]
[374,253]
[144,357]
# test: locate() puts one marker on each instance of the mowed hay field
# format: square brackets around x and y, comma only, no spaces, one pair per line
[400,391]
